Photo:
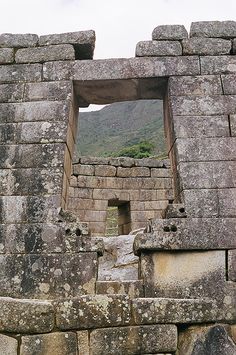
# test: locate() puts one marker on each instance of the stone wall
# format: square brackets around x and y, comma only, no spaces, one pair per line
[146,184]
[184,300]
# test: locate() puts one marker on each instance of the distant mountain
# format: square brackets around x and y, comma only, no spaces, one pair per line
[119,125]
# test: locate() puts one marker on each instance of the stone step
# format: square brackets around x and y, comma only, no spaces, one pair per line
[132,288]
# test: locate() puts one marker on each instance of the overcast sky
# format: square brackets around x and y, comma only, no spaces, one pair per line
[119,24]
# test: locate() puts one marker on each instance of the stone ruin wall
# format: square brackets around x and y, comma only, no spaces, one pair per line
[146,184]
[50,302]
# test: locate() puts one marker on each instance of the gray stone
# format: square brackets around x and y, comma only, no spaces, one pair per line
[83,342]
[8,345]
[227,202]
[86,169]
[206,46]
[87,312]
[18,40]
[45,54]
[111,69]
[151,163]
[59,90]
[83,42]
[228,82]
[201,126]
[207,175]
[6,55]
[169,32]
[94,160]
[133,289]
[158,48]
[201,202]
[20,72]
[133,340]
[218,64]
[206,340]
[180,234]
[30,316]
[224,29]
[175,211]
[234,46]
[122,161]
[170,310]
[232,265]
[10,93]
[183,274]
[195,85]
[49,344]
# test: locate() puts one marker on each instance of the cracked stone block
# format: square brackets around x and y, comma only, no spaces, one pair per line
[88,312]
[133,340]
[45,54]
[49,344]
[206,340]
[8,345]
[158,48]
[183,274]
[30,316]
[169,32]
[224,29]
[206,46]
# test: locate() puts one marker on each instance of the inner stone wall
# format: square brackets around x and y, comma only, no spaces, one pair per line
[145,183]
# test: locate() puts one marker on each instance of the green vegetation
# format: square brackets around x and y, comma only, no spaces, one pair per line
[141,150]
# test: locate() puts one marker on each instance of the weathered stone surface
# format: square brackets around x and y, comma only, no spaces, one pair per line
[61,90]
[83,42]
[195,85]
[206,46]
[90,244]
[49,344]
[10,93]
[180,233]
[86,169]
[111,69]
[207,175]
[6,55]
[169,32]
[208,105]
[45,54]
[88,312]
[8,345]
[201,126]
[170,310]
[133,172]
[224,29]
[232,265]
[218,64]
[152,163]
[133,340]
[183,274]
[103,170]
[20,72]
[83,342]
[228,82]
[201,202]
[30,316]
[18,40]
[118,263]
[206,340]
[122,161]
[175,211]
[94,160]
[132,288]
[158,48]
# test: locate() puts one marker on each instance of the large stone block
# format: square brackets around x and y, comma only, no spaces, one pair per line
[180,233]
[206,340]
[18,40]
[133,172]
[121,68]
[218,64]
[20,73]
[201,202]
[104,170]
[169,32]
[228,82]
[6,55]
[227,202]
[207,105]
[48,276]
[86,169]
[88,312]
[183,274]
[10,93]
[195,85]
[170,310]
[158,48]
[207,175]
[232,265]
[30,316]
[45,54]
[200,126]
[133,340]
[8,345]
[49,344]
[224,29]
[83,42]
[206,46]
[61,90]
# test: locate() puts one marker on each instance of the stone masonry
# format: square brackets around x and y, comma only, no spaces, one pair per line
[183,302]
